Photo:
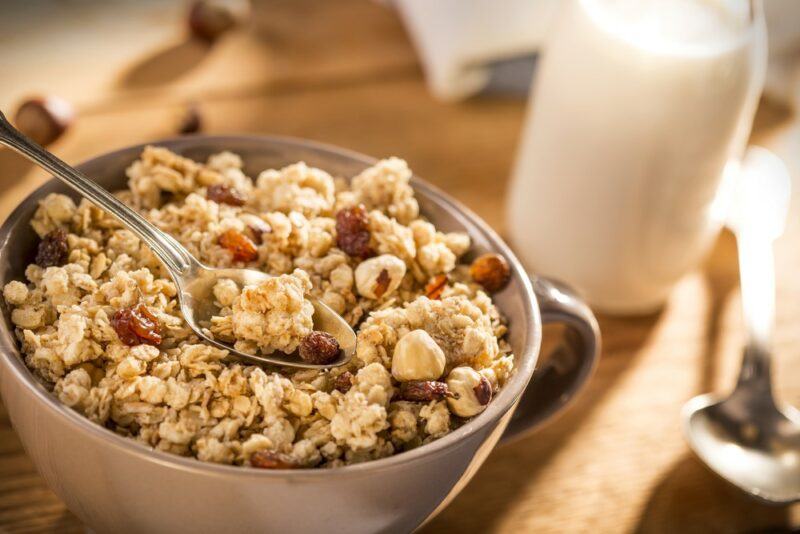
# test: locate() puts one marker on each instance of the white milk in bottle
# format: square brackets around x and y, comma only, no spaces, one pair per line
[636,109]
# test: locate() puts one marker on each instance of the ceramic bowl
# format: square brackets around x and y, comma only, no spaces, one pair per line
[115,484]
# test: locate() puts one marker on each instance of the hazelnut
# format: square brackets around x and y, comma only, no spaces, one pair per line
[491,271]
[44,119]
[208,19]
[191,122]
[379,276]
[417,357]
[473,391]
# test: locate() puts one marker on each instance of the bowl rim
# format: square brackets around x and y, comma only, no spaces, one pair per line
[12,364]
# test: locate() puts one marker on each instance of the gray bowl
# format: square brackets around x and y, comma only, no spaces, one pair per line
[115,484]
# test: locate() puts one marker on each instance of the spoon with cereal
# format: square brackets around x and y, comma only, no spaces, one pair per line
[271,317]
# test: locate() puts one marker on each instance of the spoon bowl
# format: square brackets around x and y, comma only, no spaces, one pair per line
[760,455]
[196,298]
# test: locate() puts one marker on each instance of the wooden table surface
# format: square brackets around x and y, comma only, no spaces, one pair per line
[344,72]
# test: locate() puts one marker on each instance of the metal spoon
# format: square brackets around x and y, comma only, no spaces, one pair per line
[194,280]
[747,438]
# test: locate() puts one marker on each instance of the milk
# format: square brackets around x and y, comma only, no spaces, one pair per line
[637,108]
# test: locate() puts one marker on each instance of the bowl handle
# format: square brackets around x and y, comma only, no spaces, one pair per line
[558,379]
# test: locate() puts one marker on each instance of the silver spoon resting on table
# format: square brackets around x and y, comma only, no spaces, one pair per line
[748,438]
[194,280]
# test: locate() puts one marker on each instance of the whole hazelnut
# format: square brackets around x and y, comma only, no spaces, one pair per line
[209,19]
[191,122]
[379,276]
[491,271]
[44,119]
[417,357]
[472,391]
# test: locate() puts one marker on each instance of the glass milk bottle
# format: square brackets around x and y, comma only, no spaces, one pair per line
[637,108]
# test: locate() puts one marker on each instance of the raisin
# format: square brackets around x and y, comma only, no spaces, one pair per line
[241,246]
[356,245]
[223,194]
[491,271]
[381,283]
[424,391]
[44,119]
[53,249]
[136,325]
[352,232]
[352,220]
[319,348]
[270,460]
[435,287]
[343,382]
[483,391]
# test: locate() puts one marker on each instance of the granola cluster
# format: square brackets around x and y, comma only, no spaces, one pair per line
[99,323]
[271,316]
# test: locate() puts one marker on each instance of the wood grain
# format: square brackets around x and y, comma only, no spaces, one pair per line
[345,73]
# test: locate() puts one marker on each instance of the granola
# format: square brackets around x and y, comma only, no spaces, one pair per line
[98,320]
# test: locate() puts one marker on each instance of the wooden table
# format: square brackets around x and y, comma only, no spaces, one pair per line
[344,72]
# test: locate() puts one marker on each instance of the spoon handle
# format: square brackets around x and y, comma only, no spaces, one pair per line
[176,258]
[759,216]
[757,280]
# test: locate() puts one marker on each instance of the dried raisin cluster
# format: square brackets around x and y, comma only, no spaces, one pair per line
[53,249]
[241,246]
[136,325]
[319,348]
[223,194]
[343,382]
[352,232]
[424,391]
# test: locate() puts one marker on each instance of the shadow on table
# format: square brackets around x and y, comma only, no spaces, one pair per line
[68,523]
[166,65]
[690,498]
[509,470]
